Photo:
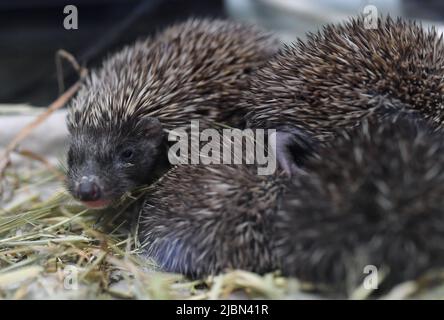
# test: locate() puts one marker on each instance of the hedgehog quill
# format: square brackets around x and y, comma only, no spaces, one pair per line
[339,76]
[190,71]
[373,196]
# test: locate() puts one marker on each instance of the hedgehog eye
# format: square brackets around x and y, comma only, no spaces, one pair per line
[127,154]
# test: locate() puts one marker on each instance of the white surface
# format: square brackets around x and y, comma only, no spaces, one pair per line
[49,139]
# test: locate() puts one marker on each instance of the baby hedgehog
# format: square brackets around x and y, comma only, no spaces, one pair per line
[339,76]
[201,219]
[373,196]
[190,71]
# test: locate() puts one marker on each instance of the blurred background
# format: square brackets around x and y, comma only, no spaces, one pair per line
[32,30]
[33,213]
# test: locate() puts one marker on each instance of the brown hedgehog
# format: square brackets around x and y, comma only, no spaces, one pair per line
[338,77]
[373,196]
[202,219]
[190,71]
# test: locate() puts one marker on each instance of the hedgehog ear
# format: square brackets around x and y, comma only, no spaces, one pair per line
[292,147]
[152,128]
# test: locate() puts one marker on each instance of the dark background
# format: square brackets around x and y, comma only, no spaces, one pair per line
[31,31]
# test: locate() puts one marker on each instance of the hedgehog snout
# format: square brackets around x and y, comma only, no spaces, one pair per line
[88,189]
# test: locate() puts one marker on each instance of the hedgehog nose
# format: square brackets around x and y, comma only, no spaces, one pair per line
[88,191]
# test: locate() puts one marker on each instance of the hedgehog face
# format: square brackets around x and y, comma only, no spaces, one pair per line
[104,165]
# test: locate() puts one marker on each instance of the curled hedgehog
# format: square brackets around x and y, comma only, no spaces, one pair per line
[191,71]
[372,196]
[339,76]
